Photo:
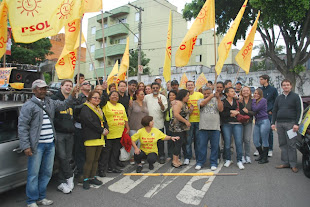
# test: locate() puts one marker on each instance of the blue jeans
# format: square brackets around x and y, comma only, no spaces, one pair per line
[202,146]
[270,140]
[193,134]
[261,132]
[40,169]
[237,131]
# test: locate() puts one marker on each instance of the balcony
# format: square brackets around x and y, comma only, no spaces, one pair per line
[115,12]
[114,30]
[100,71]
[112,50]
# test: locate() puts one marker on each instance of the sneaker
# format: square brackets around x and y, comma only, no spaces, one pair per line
[240,165]
[227,163]
[256,153]
[63,187]
[139,169]
[132,161]
[186,162]
[243,160]
[151,166]
[213,168]
[45,202]
[95,181]
[248,160]
[102,174]
[162,160]
[86,184]
[270,153]
[198,167]
[70,182]
[142,162]
[32,205]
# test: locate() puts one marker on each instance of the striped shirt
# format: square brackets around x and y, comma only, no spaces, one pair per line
[46,135]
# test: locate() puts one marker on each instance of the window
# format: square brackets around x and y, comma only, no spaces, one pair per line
[123,20]
[122,41]
[91,68]
[119,60]
[101,64]
[137,16]
[8,125]
[199,41]
[105,44]
[92,48]
[105,25]
[136,37]
[93,30]
[198,58]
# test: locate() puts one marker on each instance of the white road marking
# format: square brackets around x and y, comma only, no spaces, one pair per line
[190,195]
[162,185]
[126,184]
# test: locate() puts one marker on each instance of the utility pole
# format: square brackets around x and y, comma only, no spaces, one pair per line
[139,9]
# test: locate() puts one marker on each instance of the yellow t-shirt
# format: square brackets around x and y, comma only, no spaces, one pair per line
[195,115]
[116,117]
[95,142]
[148,140]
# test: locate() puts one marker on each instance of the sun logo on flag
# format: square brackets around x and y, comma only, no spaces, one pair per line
[202,14]
[29,6]
[65,9]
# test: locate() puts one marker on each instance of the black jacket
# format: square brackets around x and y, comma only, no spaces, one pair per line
[287,109]
[63,121]
[225,114]
[91,125]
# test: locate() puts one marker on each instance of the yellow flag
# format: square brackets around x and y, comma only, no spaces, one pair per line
[167,63]
[243,57]
[92,5]
[183,81]
[124,64]
[112,78]
[32,20]
[201,81]
[228,40]
[204,21]
[3,28]
[66,63]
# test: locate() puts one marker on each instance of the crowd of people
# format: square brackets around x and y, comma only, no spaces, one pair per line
[85,128]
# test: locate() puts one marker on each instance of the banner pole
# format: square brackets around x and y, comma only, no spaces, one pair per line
[103,46]
[79,57]
[92,62]
[214,35]
[236,76]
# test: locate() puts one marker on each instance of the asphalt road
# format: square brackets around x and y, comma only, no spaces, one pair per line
[257,185]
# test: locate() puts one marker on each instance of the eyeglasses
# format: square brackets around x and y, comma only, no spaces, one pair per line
[84,84]
[96,98]
[155,88]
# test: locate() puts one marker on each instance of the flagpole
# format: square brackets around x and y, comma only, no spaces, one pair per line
[92,62]
[236,76]
[214,35]
[79,57]
[103,45]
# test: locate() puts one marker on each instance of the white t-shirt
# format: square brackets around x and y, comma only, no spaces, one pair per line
[155,110]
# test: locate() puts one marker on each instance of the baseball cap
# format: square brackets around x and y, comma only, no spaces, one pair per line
[157,77]
[239,82]
[174,82]
[39,83]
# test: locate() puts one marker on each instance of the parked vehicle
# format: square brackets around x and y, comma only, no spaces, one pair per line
[54,87]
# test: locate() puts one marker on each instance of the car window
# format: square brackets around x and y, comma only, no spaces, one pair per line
[8,125]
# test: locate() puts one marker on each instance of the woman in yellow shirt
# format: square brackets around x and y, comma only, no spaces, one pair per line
[116,116]
[94,128]
[148,137]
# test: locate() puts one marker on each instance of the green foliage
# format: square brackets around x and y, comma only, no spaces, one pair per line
[262,50]
[32,53]
[133,63]
[298,69]
[47,77]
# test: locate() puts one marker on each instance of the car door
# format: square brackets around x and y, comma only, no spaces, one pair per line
[13,162]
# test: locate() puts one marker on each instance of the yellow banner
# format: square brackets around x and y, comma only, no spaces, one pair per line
[124,63]
[66,63]
[183,81]
[112,78]
[32,20]
[204,21]
[3,28]
[167,63]
[228,40]
[243,57]
[92,5]
[201,81]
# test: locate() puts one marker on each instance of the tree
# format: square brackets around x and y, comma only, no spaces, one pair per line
[133,63]
[290,17]
[32,53]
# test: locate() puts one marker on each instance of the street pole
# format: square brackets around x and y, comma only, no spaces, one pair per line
[139,39]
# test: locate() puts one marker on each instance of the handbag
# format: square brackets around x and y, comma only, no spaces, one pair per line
[242,118]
